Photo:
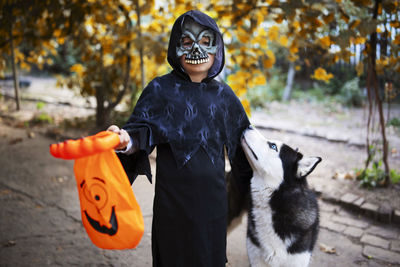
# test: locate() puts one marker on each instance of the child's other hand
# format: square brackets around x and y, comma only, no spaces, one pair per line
[124,137]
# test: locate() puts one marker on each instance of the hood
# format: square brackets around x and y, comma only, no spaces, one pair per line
[174,40]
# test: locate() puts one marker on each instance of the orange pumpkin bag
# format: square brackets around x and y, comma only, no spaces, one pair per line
[110,213]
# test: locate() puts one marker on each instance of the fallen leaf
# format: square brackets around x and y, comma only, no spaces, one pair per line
[10,243]
[15,141]
[31,134]
[327,249]
[20,125]
[5,192]
[349,176]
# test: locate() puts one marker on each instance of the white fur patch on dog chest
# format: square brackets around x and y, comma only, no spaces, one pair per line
[272,250]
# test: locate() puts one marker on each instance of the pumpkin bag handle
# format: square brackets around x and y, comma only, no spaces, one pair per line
[74,149]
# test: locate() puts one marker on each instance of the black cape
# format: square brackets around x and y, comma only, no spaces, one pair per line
[190,123]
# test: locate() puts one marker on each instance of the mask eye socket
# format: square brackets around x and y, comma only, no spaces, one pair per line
[273,146]
[205,41]
[186,42]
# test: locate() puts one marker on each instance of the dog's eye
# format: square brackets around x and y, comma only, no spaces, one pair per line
[273,146]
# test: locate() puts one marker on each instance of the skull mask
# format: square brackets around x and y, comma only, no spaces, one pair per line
[196,42]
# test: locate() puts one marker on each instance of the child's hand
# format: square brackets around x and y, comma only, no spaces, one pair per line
[124,137]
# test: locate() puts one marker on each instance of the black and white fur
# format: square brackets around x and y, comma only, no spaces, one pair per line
[283,217]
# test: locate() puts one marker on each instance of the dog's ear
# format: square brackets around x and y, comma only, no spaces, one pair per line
[306,165]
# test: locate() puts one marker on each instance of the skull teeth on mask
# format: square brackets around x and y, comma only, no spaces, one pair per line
[197,61]
[196,43]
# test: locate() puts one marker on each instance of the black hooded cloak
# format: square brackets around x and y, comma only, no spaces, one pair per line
[190,123]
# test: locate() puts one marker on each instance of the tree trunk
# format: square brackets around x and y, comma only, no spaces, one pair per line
[15,72]
[102,113]
[103,110]
[379,101]
[289,83]
[370,108]
[373,86]
[140,44]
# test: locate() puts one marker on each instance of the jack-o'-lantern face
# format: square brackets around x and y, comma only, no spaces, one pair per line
[109,210]
[98,211]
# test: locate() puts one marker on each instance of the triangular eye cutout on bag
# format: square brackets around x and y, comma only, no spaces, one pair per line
[110,213]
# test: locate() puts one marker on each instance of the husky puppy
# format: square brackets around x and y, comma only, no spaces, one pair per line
[283,217]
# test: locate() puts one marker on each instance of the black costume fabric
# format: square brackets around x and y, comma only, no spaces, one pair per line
[190,123]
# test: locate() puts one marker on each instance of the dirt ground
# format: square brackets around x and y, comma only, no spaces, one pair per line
[340,131]
[338,135]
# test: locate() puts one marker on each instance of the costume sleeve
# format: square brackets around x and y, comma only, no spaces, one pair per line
[138,163]
[130,148]
[142,127]
[241,171]
[238,182]
[237,122]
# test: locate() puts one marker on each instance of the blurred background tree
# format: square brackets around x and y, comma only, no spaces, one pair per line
[342,50]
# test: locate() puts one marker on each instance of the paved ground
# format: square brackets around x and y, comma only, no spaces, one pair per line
[40,220]
[40,216]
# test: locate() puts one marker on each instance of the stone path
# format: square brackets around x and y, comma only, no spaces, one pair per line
[345,239]
[377,241]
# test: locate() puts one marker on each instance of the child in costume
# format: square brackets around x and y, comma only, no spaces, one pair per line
[190,117]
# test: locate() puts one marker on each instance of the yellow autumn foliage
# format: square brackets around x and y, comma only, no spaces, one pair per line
[108,60]
[320,74]
[273,33]
[242,35]
[77,68]
[358,40]
[396,40]
[381,64]
[296,25]
[354,24]
[246,106]
[325,41]
[293,49]
[360,68]
[283,41]
[329,18]
[269,61]
[238,81]
[108,34]
[259,80]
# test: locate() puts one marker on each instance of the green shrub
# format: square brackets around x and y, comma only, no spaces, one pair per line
[395,122]
[371,177]
[394,176]
[272,91]
[350,94]
[257,96]
[375,176]
[40,105]
[314,94]
[42,118]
